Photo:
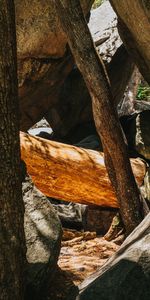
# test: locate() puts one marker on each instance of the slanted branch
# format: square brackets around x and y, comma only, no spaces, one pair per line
[70,173]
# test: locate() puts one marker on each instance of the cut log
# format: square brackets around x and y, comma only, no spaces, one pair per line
[70,173]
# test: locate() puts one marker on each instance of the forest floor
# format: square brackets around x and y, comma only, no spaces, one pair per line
[82,253]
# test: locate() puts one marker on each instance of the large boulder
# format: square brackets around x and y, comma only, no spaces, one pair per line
[103,27]
[40,82]
[47,87]
[39,31]
[74,106]
[43,60]
[137,128]
[43,240]
[126,275]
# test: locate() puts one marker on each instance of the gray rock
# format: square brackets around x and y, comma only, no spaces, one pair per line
[90,142]
[146,186]
[126,275]
[103,26]
[137,128]
[43,132]
[141,105]
[43,238]
[72,215]
[142,138]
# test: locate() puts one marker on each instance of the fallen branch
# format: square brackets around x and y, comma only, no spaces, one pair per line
[70,173]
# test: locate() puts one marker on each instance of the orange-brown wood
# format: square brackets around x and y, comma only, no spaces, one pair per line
[70,173]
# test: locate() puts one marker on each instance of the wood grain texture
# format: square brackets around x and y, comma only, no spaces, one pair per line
[70,173]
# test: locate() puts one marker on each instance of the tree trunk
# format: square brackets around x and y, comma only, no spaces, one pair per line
[70,173]
[134,28]
[105,116]
[12,242]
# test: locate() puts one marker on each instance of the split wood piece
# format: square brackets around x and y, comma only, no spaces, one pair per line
[70,173]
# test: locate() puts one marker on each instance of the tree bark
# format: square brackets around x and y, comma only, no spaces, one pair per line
[12,253]
[70,173]
[105,116]
[134,28]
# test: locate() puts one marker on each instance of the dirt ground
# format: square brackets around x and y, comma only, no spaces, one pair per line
[82,253]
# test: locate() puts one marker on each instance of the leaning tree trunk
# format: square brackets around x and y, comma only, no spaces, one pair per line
[12,246]
[107,123]
[134,28]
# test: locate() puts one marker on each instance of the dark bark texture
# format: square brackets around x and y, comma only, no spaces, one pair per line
[12,244]
[106,119]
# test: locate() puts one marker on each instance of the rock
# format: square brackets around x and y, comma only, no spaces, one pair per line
[103,26]
[126,275]
[146,186]
[40,81]
[99,219]
[72,215]
[39,130]
[43,60]
[142,138]
[136,128]
[42,123]
[39,31]
[43,239]
[74,106]
[43,132]
[84,217]
[46,86]
[90,142]
[141,105]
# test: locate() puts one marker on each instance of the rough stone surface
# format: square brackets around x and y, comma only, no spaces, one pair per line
[99,219]
[142,139]
[137,128]
[43,237]
[72,215]
[126,275]
[39,31]
[146,186]
[43,58]
[74,104]
[40,82]
[103,25]
[44,64]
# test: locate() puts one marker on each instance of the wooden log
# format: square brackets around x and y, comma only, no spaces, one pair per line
[70,173]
